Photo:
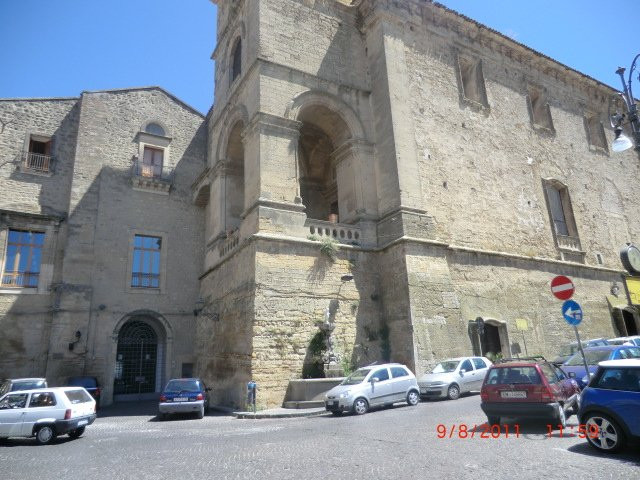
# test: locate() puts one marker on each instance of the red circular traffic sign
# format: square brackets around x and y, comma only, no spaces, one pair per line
[562,287]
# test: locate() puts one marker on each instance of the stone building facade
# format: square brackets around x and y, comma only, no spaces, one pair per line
[101,243]
[465,170]
[393,167]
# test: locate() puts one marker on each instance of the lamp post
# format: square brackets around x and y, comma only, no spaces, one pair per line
[621,141]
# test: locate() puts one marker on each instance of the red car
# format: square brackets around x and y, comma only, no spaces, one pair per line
[529,388]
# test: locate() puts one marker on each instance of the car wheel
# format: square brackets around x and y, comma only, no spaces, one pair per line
[201,413]
[493,420]
[609,438]
[45,434]
[453,393]
[561,417]
[76,432]
[360,406]
[413,398]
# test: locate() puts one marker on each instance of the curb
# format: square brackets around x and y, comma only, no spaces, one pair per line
[258,415]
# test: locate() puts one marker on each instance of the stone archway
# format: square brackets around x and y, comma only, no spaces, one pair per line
[335,164]
[142,347]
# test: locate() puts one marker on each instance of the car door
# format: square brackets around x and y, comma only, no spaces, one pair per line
[12,411]
[42,405]
[466,378]
[380,391]
[400,381]
[481,369]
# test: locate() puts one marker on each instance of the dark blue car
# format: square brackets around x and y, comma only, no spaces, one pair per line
[574,367]
[609,406]
[184,395]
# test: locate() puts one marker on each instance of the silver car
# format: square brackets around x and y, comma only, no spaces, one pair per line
[454,376]
[374,385]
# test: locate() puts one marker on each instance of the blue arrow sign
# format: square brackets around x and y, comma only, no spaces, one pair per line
[572,312]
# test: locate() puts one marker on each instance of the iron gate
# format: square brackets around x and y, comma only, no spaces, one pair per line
[136,359]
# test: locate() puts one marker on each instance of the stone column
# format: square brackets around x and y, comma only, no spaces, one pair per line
[355,176]
[271,174]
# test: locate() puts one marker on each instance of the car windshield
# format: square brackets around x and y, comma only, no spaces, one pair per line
[567,350]
[592,357]
[27,385]
[182,386]
[513,375]
[446,367]
[356,377]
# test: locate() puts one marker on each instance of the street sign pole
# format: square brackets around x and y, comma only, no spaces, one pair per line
[525,344]
[584,360]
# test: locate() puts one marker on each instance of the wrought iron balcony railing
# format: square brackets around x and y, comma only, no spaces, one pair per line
[152,172]
[37,162]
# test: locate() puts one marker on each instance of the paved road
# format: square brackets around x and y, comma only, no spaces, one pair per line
[400,442]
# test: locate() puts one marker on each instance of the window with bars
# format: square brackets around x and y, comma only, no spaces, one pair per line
[146,262]
[22,260]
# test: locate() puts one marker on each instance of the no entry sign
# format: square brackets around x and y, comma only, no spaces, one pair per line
[562,287]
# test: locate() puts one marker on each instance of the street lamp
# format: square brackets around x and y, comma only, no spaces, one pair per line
[621,141]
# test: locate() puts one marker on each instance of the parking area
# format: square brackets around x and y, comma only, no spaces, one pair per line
[432,439]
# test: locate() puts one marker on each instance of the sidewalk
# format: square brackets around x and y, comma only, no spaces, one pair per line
[272,412]
[150,408]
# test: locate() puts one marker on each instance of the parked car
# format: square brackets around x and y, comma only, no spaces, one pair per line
[184,395]
[568,350]
[574,367]
[632,340]
[529,388]
[90,384]
[46,413]
[610,405]
[454,376]
[373,386]
[13,384]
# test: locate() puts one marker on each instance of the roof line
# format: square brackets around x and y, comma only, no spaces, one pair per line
[509,39]
[37,99]
[149,87]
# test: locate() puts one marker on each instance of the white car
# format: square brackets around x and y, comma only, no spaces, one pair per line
[371,386]
[453,377]
[46,413]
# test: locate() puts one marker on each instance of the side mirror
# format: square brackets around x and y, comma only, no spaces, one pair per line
[374,380]
[462,372]
[572,374]
[208,389]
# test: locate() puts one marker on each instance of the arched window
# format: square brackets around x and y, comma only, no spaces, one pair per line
[154,129]
[236,60]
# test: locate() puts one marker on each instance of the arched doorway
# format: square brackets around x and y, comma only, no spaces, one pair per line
[139,360]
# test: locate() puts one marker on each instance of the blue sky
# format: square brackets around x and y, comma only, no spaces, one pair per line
[51,48]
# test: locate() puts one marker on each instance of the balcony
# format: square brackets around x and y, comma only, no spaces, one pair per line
[343,233]
[37,163]
[20,279]
[153,178]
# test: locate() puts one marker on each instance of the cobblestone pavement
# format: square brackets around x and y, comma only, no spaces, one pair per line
[399,442]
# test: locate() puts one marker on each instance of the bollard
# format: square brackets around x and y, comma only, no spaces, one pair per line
[252,387]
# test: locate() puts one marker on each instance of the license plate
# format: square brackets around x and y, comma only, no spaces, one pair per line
[181,399]
[332,403]
[82,422]
[517,394]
